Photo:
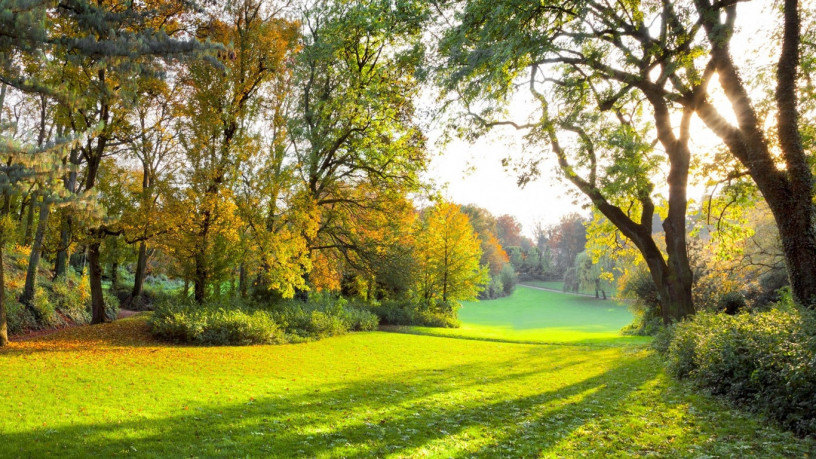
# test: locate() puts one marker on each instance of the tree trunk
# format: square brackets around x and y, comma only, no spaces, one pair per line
[114,276]
[34,258]
[97,299]
[61,262]
[29,223]
[788,191]
[200,279]
[3,321]
[141,264]
[242,281]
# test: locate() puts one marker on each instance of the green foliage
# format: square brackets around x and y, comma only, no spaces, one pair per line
[322,316]
[213,324]
[18,317]
[763,361]
[111,305]
[509,279]
[239,322]
[641,289]
[393,312]
[68,299]
[44,309]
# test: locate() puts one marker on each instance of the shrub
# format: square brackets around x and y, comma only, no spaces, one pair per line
[509,279]
[408,313]
[67,299]
[493,289]
[234,321]
[45,310]
[765,361]
[645,305]
[731,303]
[18,317]
[213,324]
[111,305]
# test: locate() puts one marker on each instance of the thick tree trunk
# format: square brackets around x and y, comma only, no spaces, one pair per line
[141,264]
[34,258]
[97,299]
[788,192]
[794,219]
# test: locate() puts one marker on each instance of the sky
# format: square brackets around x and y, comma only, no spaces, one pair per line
[473,173]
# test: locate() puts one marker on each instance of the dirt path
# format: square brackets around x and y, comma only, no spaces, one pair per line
[28,336]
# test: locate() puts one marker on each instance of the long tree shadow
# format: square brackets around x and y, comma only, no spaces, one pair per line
[399,413]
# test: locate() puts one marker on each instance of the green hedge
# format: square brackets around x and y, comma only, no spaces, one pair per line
[238,322]
[212,324]
[408,313]
[765,361]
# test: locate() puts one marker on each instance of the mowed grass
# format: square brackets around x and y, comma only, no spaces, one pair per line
[536,316]
[111,390]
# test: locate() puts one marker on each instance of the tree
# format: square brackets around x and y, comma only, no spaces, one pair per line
[585,58]
[508,230]
[216,136]
[353,125]
[448,254]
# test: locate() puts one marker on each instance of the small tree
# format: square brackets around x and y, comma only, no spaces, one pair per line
[448,253]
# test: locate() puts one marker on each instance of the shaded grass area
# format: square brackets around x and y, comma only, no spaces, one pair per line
[535,316]
[111,391]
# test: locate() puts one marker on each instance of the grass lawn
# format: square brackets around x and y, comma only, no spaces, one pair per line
[537,316]
[111,390]
[559,285]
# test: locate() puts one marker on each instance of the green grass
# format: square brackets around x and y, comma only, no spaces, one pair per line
[111,391]
[559,285]
[536,316]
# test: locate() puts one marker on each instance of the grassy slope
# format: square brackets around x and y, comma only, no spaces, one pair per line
[536,316]
[110,390]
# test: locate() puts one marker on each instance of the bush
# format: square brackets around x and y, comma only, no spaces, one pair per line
[509,279]
[408,313]
[765,361]
[234,321]
[213,324]
[68,300]
[494,289]
[18,318]
[111,305]
[322,316]
[45,310]
[645,305]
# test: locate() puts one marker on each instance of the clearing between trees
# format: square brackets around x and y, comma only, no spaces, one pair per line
[113,390]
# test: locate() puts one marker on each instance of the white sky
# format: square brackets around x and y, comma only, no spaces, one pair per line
[473,173]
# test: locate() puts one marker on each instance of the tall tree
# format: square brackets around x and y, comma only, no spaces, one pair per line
[609,81]
[217,136]
[353,126]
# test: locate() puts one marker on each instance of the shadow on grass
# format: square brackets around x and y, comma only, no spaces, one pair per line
[452,411]
[589,342]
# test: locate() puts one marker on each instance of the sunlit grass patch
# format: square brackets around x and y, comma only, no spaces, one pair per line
[536,316]
[365,394]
